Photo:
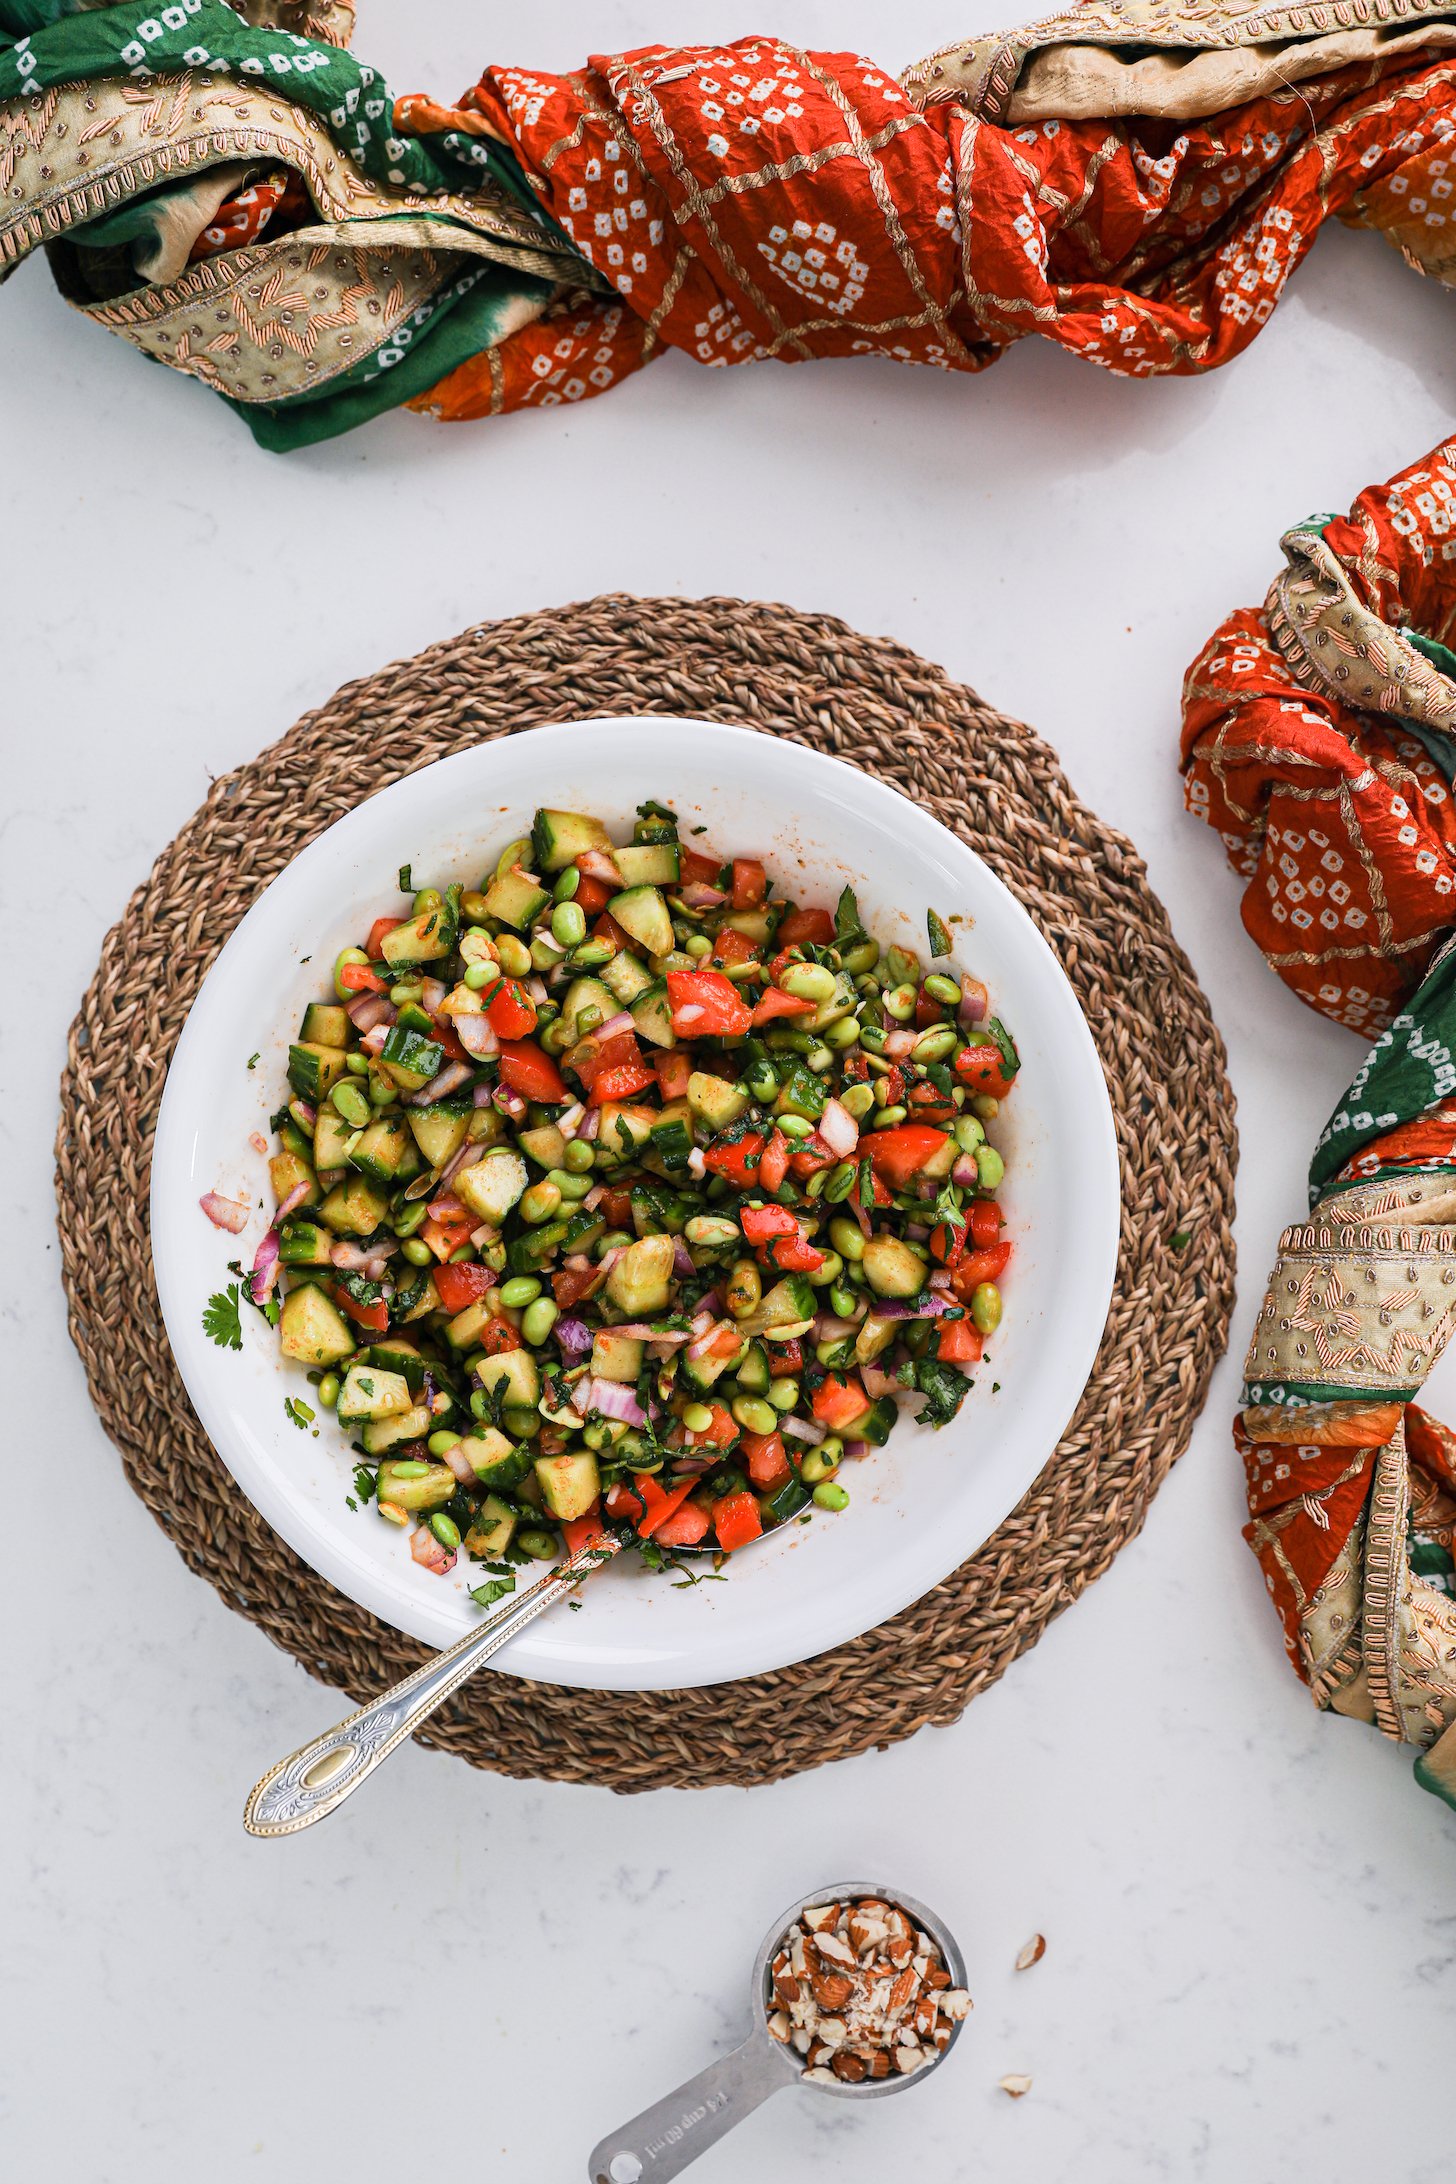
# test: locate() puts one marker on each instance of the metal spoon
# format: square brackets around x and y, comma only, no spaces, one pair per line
[674,2131]
[314,1781]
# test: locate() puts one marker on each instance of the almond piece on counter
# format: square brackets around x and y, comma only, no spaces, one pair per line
[1033,1953]
[1015,2085]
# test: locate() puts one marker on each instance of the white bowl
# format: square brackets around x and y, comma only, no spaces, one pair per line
[918,1507]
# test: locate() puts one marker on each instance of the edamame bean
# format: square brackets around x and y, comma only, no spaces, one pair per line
[698,945]
[568,924]
[985,1106]
[830,1496]
[744,1289]
[763,1083]
[592,954]
[857,1100]
[941,988]
[383,1092]
[614,1240]
[710,1231]
[968,1133]
[540,1546]
[446,1530]
[861,958]
[328,1390]
[842,1035]
[572,1187]
[357,1064]
[841,1181]
[520,1289]
[538,1319]
[555,1037]
[872,1036]
[697,1417]
[819,1059]
[846,1237]
[986,1307]
[796,1126]
[578,1158]
[427,899]
[416,1250]
[409,1467]
[441,1443]
[934,1045]
[814,1188]
[900,1003]
[480,975]
[842,1302]
[783,1394]
[545,954]
[816,1466]
[349,1101]
[522,1420]
[754,1415]
[344,957]
[515,956]
[828,1271]
[808,981]
[990,1167]
[889,1117]
[539,1203]
[567,883]
[474,907]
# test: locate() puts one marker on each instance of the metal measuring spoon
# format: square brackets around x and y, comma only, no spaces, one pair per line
[674,2131]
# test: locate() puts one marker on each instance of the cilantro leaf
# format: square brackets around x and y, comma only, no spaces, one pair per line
[222,1320]
[1005,1045]
[364,1482]
[938,934]
[494,1588]
[943,1387]
[848,926]
[299,1412]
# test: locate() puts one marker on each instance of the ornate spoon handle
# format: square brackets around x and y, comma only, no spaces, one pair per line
[314,1781]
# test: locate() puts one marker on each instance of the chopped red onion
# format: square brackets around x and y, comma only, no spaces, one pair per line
[940,1279]
[590,1124]
[612,1400]
[309,1114]
[483,1095]
[595,864]
[536,988]
[429,1553]
[614,1026]
[974,1001]
[828,1328]
[687,1014]
[856,1448]
[432,993]
[477,1034]
[594,1197]
[226,1213]
[266,1268]
[682,1260]
[838,1129]
[568,1122]
[698,895]
[916,1231]
[465,1158]
[697,1166]
[460,1464]
[803,1429]
[257,1140]
[573,1335]
[368,1009]
[373,1039]
[354,1258]
[509,1102]
[294,1199]
[897,1309]
[877,1383]
[441,1085]
[703,1343]
[482,1236]
[899,1043]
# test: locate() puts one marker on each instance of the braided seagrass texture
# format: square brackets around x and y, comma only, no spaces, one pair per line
[988,779]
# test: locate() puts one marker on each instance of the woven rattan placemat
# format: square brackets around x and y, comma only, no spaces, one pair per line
[987,778]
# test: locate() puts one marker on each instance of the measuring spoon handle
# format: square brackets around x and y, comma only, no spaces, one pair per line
[315,1780]
[674,2131]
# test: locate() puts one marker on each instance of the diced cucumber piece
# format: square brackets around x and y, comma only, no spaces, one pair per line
[558,838]
[622,1129]
[492,1186]
[313,1329]
[626,976]
[802,1093]
[395,1355]
[616,1357]
[333,1139]
[514,899]
[874,1338]
[411,1060]
[641,1280]
[491,1533]
[313,1071]
[439,1133]
[419,939]
[701,1372]
[878,1422]
[413,1424]
[653,1017]
[438,1486]
[426,1302]
[386,1151]
[842,1002]
[369,1392]
[498,1462]
[785,1501]
[304,1243]
[545,1145]
[569,1484]
[788,1304]
[355,1207]
[892,1268]
[755,925]
[586,993]
[286,1171]
[325,1025]
[649,864]
[513,1369]
[642,915]
[464,1331]
[715,1103]
[754,1372]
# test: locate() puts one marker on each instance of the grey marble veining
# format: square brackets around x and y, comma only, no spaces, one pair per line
[1251,1970]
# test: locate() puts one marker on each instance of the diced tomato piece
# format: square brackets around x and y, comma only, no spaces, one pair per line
[377,931]
[927,1104]
[948,1242]
[462,1285]
[736,1521]
[806,929]
[660,1502]
[857,1068]
[706,1005]
[623,1504]
[673,1069]
[444,1035]
[496,1337]
[982,1068]
[894,1084]
[776,1002]
[928,1010]
[358,978]
[445,1233]
[731,946]
[723,1431]
[726,1342]
[839,1399]
[616,1204]
[810,1155]
[373,1316]
[957,1342]
[575,1282]
[976,1267]
[790,1355]
[700,868]
[579,1532]
[773,1163]
[759,1223]
[737,1158]
[985,1222]
[750,883]
[621,1083]
[511,1010]
[591,893]
[684,1527]
[607,928]
[768,1466]
[531,1072]
[792,1255]
[901,1153]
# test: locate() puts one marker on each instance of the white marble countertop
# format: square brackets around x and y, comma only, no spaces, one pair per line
[1251,1969]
